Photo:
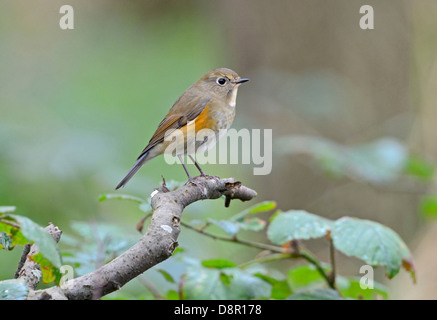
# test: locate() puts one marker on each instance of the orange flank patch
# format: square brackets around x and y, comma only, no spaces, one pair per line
[204,120]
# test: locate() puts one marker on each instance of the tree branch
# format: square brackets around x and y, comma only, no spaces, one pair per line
[157,244]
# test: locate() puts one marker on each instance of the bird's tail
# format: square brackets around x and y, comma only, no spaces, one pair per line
[141,160]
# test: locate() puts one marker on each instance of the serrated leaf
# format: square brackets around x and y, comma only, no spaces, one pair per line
[373,243]
[218,263]
[317,294]
[297,224]
[13,289]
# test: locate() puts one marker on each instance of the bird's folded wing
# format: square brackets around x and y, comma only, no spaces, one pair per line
[176,120]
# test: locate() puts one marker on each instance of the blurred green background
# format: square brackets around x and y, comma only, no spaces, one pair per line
[78,106]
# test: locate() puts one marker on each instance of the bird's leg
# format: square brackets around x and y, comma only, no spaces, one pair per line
[189,177]
[185,168]
[198,167]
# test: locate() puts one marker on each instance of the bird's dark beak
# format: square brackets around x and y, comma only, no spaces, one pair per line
[241,80]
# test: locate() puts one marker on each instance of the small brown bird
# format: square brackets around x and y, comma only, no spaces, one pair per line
[208,104]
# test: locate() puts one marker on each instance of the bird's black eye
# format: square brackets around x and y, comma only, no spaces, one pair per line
[221,81]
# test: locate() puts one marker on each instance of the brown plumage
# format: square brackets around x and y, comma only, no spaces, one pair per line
[210,102]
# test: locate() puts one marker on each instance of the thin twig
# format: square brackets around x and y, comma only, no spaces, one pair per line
[333,272]
[248,243]
[268,258]
[22,260]
[151,287]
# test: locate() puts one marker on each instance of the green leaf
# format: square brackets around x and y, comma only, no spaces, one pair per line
[11,229]
[297,224]
[117,196]
[178,250]
[223,284]
[258,208]
[373,243]
[173,295]
[50,273]
[166,275]
[45,242]
[226,279]
[350,288]
[144,206]
[317,294]
[419,167]
[14,289]
[280,288]
[428,206]
[218,263]
[304,276]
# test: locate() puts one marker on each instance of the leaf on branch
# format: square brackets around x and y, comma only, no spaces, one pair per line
[166,275]
[304,276]
[297,224]
[50,273]
[240,221]
[280,288]
[264,206]
[373,243]
[144,205]
[351,288]
[23,230]
[230,227]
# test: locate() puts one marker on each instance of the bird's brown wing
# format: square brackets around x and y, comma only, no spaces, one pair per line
[179,115]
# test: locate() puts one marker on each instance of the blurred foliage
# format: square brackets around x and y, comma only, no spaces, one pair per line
[382,161]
